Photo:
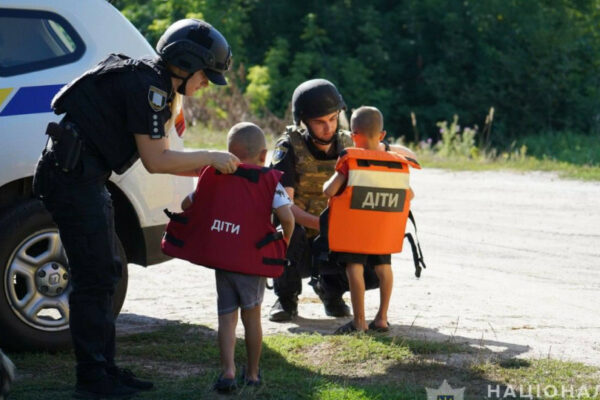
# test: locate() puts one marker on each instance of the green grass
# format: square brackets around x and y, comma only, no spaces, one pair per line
[183,361]
[569,154]
[570,147]
[201,137]
[548,375]
[521,163]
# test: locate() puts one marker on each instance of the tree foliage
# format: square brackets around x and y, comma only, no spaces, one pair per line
[537,62]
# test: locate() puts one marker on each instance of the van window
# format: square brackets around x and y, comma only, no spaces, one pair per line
[35,40]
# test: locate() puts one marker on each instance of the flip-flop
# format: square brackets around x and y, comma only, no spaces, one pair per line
[250,382]
[346,329]
[379,329]
[224,385]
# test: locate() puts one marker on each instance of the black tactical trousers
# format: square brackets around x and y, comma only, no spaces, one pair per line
[81,207]
[300,253]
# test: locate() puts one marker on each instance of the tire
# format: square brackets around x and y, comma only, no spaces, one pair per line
[34,287]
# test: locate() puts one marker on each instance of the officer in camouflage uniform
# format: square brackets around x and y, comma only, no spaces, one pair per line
[306,153]
[116,113]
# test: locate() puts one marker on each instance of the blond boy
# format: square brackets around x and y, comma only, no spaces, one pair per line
[239,291]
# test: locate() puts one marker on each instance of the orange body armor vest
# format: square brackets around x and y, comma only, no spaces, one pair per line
[369,216]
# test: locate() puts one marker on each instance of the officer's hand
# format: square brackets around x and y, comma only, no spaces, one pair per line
[224,161]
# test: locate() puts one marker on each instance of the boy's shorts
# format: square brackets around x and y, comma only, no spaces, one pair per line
[364,259]
[238,291]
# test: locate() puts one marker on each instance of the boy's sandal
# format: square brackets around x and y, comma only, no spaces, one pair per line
[250,382]
[346,329]
[224,385]
[378,329]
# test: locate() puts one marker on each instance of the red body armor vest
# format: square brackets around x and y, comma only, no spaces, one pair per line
[228,225]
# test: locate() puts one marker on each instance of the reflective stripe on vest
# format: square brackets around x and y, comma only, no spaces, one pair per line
[228,225]
[369,216]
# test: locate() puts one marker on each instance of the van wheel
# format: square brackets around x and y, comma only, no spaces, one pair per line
[35,286]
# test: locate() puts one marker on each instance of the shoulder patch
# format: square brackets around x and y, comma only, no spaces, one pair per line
[157,98]
[279,153]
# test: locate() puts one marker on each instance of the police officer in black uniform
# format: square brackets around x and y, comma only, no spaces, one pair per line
[119,111]
[307,153]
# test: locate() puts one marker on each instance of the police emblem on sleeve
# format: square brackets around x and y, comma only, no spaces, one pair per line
[157,98]
[279,154]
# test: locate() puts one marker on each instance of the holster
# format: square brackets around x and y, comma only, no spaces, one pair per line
[67,144]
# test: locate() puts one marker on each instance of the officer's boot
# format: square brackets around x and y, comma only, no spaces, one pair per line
[336,307]
[128,378]
[106,387]
[284,309]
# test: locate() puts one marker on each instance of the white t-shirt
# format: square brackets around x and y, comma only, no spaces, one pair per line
[280,198]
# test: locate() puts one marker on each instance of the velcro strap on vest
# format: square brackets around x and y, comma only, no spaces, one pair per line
[412,160]
[275,261]
[271,237]
[173,240]
[415,246]
[176,217]
[379,163]
[250,174]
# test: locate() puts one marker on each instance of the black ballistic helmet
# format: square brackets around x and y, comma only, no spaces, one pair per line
[192,44]
[315,98]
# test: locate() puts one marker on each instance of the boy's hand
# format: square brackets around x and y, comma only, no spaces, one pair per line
[187,202]
[334,184]
[224,161]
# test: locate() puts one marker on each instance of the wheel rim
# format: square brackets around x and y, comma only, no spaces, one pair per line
[37,282]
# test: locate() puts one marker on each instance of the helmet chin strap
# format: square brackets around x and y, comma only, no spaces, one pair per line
[318,140]
[181,88]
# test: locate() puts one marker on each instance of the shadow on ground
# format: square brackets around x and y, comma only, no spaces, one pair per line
[183,361]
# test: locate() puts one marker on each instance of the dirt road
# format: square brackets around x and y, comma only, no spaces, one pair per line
[513,267]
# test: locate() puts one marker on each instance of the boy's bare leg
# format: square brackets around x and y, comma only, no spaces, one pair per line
[253,334]
[386,282]
[356,281]
[227,324]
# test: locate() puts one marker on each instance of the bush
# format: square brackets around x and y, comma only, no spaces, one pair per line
[536,62]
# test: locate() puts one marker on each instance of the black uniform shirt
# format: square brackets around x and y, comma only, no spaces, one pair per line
[141,97]
[113,101]
[285,160]
[149,103]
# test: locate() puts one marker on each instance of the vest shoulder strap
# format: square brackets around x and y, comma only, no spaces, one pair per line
[366,158]
[252,174]
[344,140]
[296,139]
[112,63]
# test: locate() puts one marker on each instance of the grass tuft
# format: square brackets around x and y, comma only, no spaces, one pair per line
[183,361]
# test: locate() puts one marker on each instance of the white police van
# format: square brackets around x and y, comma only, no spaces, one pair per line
[44,45]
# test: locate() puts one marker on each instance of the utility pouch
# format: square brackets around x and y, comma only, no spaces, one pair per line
[42,181]
[66,144]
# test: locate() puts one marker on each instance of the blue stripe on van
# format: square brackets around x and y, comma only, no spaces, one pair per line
[31,100]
